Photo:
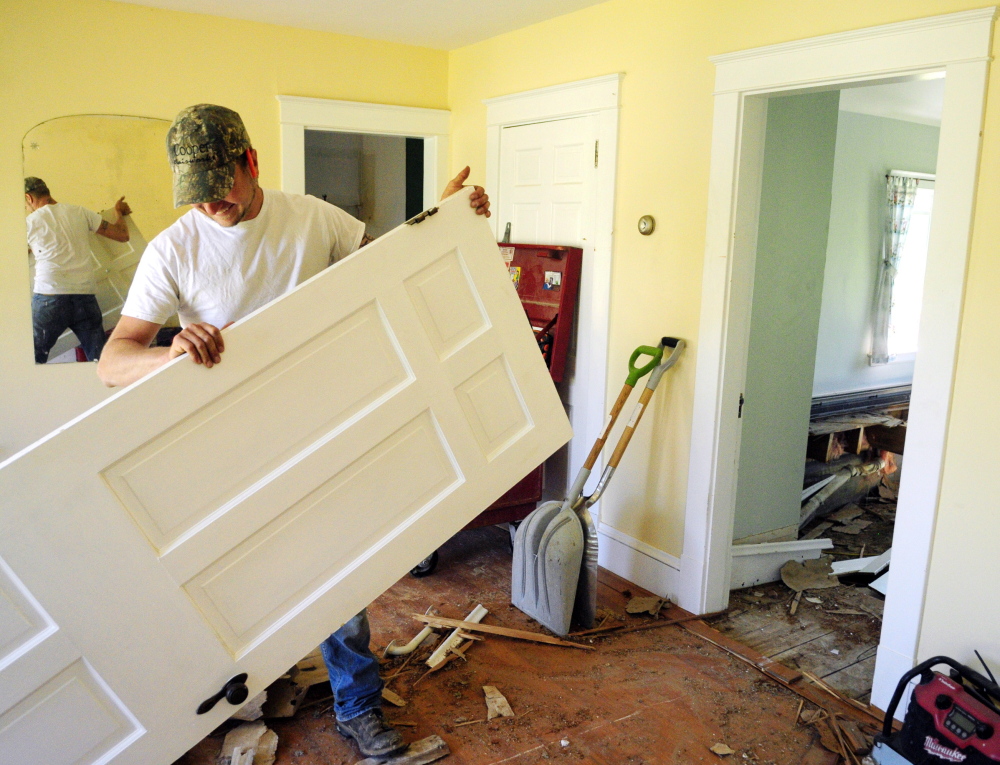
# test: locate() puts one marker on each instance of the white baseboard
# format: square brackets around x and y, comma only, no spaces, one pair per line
[638,562]
[761,563]
[890,666]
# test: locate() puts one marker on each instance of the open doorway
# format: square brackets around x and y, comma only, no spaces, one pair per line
[379,179]
[837,289]
[958,45]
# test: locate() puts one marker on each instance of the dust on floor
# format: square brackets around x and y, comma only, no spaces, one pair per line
[644,698]
[835,638]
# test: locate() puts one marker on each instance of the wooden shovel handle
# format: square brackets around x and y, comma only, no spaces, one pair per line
[615,411]
[647,394]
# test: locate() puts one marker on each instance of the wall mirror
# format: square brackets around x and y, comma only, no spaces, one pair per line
[91,160]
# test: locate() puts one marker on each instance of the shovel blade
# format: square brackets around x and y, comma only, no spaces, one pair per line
[550,553]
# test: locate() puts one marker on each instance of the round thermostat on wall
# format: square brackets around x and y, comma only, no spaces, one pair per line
[646,225]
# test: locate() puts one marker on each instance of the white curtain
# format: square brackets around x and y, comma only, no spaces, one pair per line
[901,191]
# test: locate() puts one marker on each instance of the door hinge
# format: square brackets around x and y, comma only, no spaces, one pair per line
[596,145]
[740,414]
[422,217]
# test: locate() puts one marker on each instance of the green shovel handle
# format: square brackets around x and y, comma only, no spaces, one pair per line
[637,373]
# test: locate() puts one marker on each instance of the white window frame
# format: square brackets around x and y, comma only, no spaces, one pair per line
[925,181]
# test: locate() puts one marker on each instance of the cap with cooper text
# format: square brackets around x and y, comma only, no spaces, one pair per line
[203,144]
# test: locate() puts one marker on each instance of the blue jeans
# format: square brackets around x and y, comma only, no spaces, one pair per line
[353,669]
[51,315]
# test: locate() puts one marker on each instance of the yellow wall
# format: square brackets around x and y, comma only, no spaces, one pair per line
[662,47]
[91,56]
[87,56]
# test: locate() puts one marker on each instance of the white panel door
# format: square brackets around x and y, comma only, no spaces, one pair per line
[547,191]
[208,522]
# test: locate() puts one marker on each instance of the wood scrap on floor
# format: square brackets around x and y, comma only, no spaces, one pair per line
[253,737]
[854,527]
[430,749]
[846,514]
[284,697]
[817,531]
[444,651]
[645,605]
[496,703]
[490,629]
[310,670]
[393,698]
[253,709]
[814,574]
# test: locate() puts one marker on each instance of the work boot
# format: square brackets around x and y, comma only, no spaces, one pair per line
[373,735]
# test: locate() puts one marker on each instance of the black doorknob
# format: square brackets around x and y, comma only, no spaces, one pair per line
[235,692]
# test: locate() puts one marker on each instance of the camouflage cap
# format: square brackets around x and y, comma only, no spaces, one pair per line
[33,185]
[202,145]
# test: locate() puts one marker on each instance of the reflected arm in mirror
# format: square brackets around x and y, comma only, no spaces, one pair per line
[127,356]
[119,229]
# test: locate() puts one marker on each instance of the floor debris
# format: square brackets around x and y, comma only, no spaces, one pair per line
[846,514]
[645,605]
[854,527]
[496,703]
[455,638]
[393,698]
[814,574]
[253,709]
[490,629]
[252,737]
[722,750]
[283,698]
[608,703]
[430,749]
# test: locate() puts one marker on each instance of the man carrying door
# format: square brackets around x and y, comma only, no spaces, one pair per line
[239,248]
[64,293]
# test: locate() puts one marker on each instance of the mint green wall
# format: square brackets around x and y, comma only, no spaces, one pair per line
[788,284]
[867,147]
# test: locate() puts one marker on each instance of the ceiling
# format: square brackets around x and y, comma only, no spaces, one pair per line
[440,24]
[914,101]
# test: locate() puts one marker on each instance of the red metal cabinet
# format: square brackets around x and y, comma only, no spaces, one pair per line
[547,279]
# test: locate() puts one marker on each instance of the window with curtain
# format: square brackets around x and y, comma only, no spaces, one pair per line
[902,262]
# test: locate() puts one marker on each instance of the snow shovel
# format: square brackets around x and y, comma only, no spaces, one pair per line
[550,543]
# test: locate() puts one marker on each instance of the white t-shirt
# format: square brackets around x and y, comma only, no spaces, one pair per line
[58,235]
[205,272]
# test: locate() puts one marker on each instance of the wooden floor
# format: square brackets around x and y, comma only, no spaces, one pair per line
[835,638]
[662,695]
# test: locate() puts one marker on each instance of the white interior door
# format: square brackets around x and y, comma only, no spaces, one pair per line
[208,522]
[547,191]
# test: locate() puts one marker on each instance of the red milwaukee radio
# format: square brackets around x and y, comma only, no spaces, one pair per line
[949,719]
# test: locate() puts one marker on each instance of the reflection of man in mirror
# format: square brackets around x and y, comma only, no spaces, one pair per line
[65,290]
[240,247]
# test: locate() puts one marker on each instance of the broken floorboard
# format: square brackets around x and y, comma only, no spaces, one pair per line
[658,696]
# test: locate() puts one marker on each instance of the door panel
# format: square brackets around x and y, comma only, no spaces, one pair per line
[207,522]
[548,191]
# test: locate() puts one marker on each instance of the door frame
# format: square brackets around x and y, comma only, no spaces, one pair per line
[959,45]
[298,114]
[600,97]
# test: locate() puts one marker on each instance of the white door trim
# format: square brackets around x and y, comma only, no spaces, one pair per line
[300,114]
[959,45]
[598,96]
